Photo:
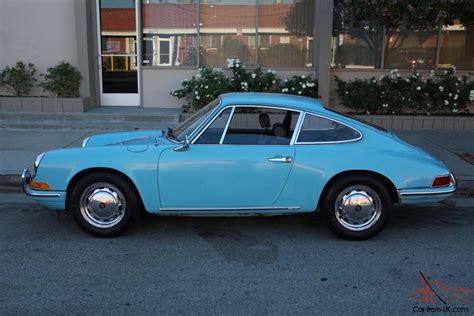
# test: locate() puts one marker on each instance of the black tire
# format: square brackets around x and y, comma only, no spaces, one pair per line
[356,184]
[108,184]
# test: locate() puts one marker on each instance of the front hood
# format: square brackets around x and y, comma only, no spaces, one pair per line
[126,139]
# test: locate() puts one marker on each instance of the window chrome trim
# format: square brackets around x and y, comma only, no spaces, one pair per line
[227,125]
[203,121]
[327,142]
[234,106]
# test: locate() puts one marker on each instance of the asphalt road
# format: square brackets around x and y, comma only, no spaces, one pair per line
[272,265]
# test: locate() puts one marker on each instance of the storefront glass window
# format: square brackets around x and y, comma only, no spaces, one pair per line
[457,47]
[227,30]
[169,33]
[286,33]
[410,50]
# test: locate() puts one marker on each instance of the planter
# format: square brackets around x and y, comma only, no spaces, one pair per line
[408,121]
[45,104]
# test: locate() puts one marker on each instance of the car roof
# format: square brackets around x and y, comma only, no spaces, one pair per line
[278,99]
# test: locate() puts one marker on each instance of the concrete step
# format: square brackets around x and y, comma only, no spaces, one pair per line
[93,125]
[137,115]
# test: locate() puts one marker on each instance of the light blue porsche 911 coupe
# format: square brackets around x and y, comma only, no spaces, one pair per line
[243,154]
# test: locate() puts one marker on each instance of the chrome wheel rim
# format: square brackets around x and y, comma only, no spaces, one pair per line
[102,205]
[358,207]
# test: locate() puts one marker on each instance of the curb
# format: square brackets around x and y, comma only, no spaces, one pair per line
[13,183]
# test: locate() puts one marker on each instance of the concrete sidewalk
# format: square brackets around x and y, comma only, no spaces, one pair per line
[19,148]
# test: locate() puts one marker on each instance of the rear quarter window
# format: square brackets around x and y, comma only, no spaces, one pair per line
[317,129]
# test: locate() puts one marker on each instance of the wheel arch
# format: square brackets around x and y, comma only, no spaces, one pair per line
[380,177]
[86,172]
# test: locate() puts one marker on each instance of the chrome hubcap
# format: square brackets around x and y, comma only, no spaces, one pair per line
[358,207]
[102,205]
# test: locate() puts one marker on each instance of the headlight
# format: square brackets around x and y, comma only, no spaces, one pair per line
[84,142]
[38,159]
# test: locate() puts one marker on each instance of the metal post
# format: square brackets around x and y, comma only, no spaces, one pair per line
[198,30]
[382,54]
[138,27]
[323,34]
[257,42]
[438,48]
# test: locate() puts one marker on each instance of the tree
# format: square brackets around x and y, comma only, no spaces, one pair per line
[367,19]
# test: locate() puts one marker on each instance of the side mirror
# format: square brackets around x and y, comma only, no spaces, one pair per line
[184,145]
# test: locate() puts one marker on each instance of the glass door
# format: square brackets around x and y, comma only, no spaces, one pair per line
[118,52]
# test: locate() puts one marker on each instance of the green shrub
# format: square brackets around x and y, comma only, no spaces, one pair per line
[203,87]
[448,93]
[19,79]
[391,94]
[361,95]
[300,85]
[256,81]
[63,80]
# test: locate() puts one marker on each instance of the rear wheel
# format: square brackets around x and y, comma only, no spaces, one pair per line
[357,207]
[103,204]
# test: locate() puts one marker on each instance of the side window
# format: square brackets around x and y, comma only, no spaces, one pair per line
[261,126]
[213,133]
[317,129]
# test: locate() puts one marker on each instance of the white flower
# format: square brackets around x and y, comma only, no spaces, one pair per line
[403,98]
[446,102]
[456,97]
[393,71]
[196,93]
[407,80]
[303,77]
[441,88]
[286,80]
[274,81]
[385,105]
[374,81]
[284,90]
[428,105]
[299,92]
[198,97]
[381,77]
[304,85]
[269,71]
[453,67]
[418,88]
[347,92]
[292,88]
[445,72]
[254,75]
[455,110]
[432,73]
[428,113]
[455,104]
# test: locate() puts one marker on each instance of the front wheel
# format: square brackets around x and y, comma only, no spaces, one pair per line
[357,207]
[103,204]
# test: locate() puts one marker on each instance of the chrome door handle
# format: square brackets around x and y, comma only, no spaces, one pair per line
[281,159]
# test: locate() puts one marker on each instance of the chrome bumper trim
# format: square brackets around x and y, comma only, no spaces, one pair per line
[447,191]
[26,177]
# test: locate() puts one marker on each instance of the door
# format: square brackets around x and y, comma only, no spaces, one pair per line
[241,161]
[118,52]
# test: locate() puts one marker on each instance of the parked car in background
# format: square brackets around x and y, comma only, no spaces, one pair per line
[243,154]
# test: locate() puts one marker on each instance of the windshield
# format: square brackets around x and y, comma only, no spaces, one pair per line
[189,125]
[357,119]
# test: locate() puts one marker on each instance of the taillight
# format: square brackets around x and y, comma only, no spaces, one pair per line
[441,181]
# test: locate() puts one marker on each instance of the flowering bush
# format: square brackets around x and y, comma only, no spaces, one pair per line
[448,93]
[207,84]
[256,81]
[203,87]
[300,85]
[393,94]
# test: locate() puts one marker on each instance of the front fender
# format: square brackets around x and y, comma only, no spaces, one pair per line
[58,168]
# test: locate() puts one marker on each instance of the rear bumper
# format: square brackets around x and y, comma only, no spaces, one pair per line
[50,199]
[425,195]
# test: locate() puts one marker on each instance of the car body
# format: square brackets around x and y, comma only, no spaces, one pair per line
[229,159]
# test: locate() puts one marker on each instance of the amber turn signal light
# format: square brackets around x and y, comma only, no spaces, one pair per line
[38,185]
[441,181]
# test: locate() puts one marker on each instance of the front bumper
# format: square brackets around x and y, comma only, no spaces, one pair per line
[50,199]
